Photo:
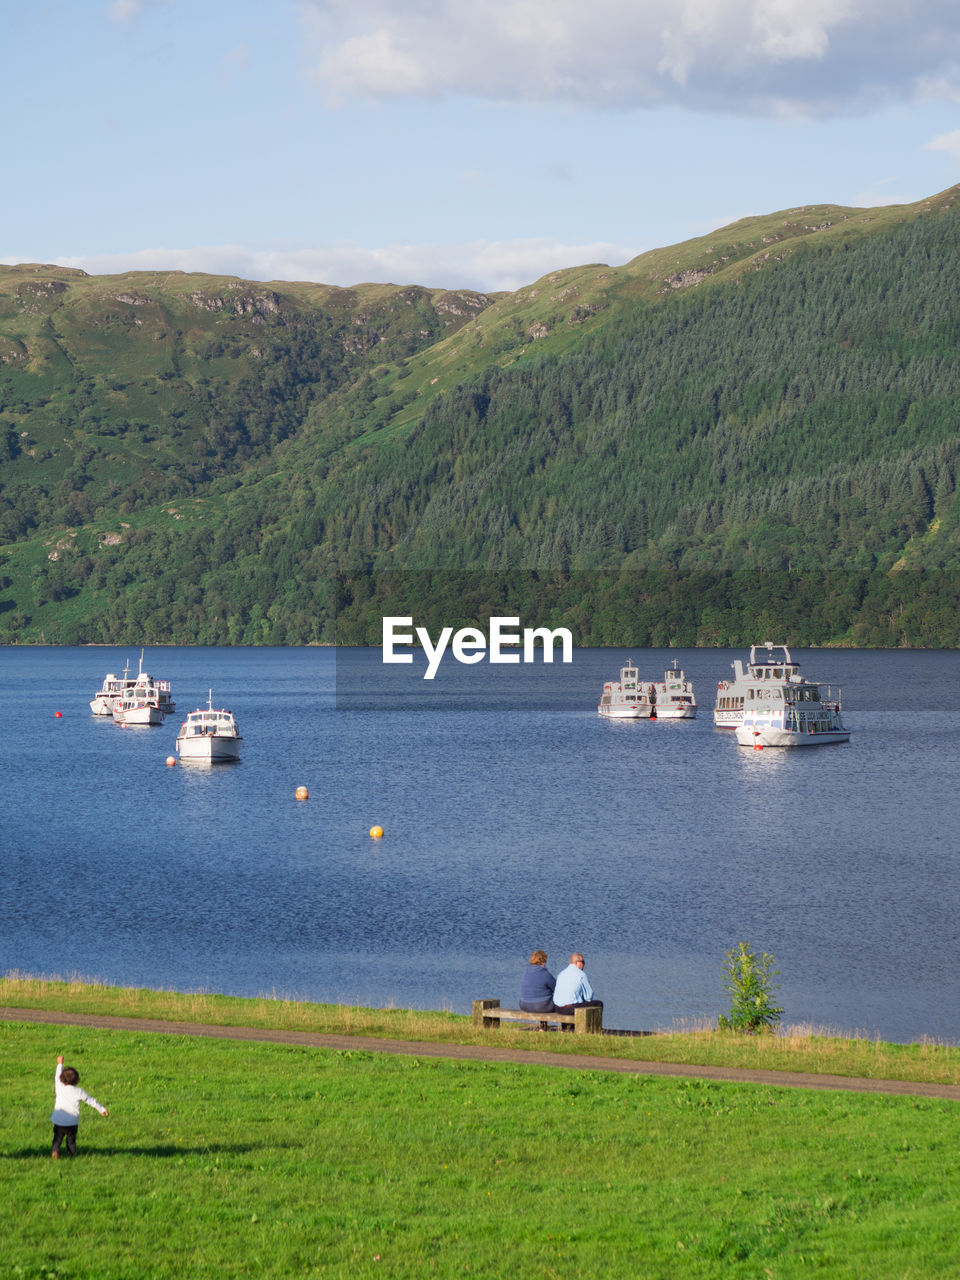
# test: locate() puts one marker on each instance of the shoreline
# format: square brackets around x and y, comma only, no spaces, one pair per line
[800,1057]
[487,1053]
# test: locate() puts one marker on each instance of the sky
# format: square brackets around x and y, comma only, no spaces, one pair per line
[472,144]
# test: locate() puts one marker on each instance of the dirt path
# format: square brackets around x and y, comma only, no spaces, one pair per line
[482,1053]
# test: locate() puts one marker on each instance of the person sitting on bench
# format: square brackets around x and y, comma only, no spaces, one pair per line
[573,990]
[536,985]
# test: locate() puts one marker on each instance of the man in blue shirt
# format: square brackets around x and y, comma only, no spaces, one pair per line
[573,990]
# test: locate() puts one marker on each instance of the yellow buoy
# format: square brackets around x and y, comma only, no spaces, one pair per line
[376,833]
[303,793]
[171,760]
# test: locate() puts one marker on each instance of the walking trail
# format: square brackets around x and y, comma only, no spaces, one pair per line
[484,1053]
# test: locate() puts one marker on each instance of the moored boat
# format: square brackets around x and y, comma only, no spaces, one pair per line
[673,696]
[144,701]
[110,692]
[135,708]
[626,699]
[209,735]
[771,704]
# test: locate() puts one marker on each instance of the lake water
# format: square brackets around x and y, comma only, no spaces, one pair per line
[514,817]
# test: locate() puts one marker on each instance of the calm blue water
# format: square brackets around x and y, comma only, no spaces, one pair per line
[515,818]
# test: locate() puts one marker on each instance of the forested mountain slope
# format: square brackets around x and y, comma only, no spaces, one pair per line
[768,445]
[121,390]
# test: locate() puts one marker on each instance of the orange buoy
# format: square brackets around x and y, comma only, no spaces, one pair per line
[171,760]
[302,793]
[376,833]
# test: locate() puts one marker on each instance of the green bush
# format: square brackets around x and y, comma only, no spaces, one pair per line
[750,982]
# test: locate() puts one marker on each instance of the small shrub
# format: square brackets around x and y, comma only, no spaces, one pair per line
[750,982]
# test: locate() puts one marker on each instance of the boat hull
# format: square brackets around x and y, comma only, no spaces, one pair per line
[138,716]
[676,713]
[209,749]
[768,736]
[624,713]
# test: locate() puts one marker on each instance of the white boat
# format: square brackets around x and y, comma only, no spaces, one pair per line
[145,701]
[208,734]
[673,696]
[109,694]
[731,694]
[770,704]
[627,699]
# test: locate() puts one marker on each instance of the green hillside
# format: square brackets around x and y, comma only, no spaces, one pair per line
[124,390]
[553,314]
[753,431]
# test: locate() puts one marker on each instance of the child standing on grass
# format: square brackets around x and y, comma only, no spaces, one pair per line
[66,1108]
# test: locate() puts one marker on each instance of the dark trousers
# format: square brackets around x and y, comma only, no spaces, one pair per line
[65,1133]
[581,1004]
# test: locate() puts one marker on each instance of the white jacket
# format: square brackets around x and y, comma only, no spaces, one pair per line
[66,1108]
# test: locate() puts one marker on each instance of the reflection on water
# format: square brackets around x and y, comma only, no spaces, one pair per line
[515,818]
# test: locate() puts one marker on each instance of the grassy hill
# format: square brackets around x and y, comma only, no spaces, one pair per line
[197,458]
[122,389]
[553,314]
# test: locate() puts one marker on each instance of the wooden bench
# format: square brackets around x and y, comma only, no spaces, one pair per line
[487,1013]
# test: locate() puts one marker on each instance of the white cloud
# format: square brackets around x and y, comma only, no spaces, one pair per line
[785,29]
[948,142]
[487,266]
[882,191]
[743,56]
[124,11]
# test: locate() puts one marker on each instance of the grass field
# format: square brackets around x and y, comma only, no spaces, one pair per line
[233,1159]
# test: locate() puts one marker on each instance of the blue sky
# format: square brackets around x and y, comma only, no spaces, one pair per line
[457,143]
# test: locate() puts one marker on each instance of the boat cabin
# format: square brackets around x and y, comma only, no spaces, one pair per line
[202,722]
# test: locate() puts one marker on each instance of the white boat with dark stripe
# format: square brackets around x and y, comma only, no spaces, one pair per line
[144,702]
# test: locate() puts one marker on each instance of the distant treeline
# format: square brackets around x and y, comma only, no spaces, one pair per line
[656,608]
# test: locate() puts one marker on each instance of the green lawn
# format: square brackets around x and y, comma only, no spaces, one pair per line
[231,1159]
